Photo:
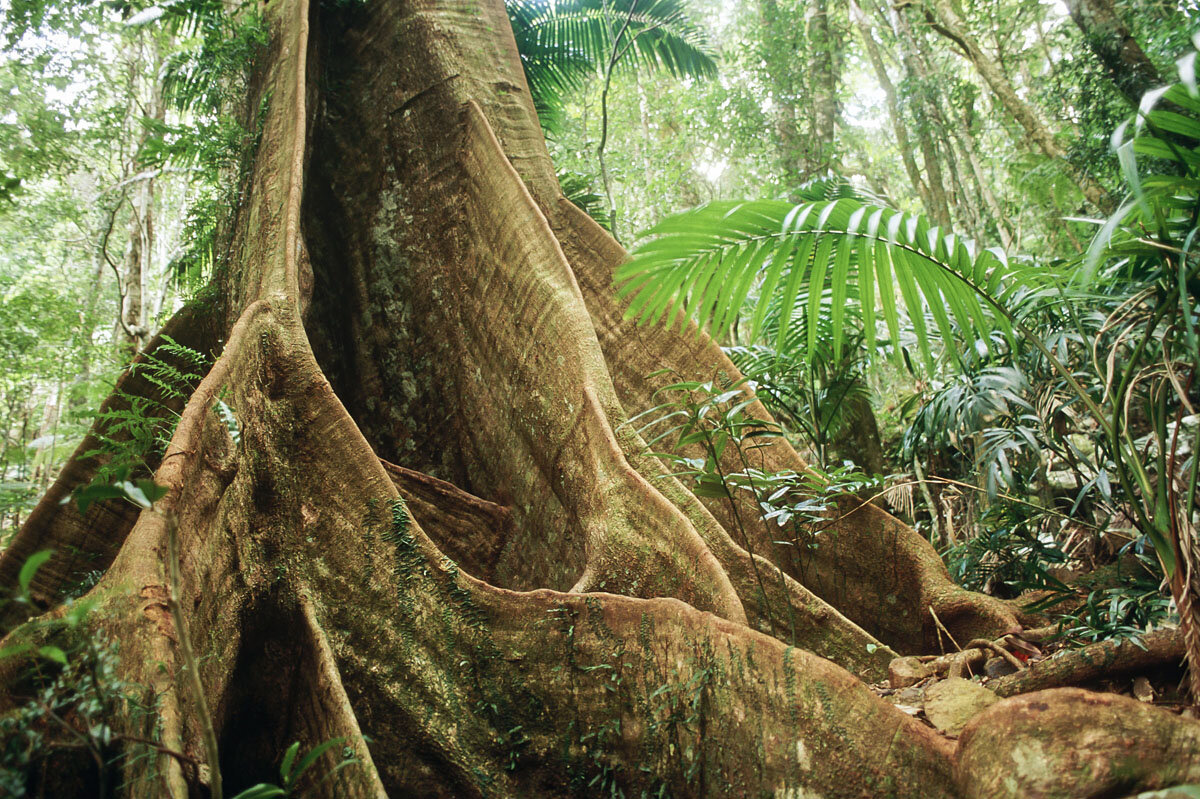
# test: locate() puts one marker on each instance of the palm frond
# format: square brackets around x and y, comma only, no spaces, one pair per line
[562,43]
[703,264]
[580,190]
[1159,154]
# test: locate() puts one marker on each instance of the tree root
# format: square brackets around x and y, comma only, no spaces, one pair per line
[1072,743]
[88,543]
[1102,659]
[471,531]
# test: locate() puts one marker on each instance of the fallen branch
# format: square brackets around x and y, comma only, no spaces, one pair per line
[1075,666]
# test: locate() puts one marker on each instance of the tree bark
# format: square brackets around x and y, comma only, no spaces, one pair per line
[1109,38]
[939,210]
[410,285]
[802,59]
[826,42]
[146,103]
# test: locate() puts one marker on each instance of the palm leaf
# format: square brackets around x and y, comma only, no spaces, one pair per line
[703,263]
[563,43]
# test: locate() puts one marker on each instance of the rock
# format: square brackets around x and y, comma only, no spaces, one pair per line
[912,695]
[1066,742]
[998,667]
[951,703]
[903,672]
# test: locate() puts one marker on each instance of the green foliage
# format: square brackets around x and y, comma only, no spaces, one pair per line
[1010,555]
[23,596]
[1113,354]
[563,43]
[134,431]
[1145,257]
[208,83]
[709,414]
[708,428]
[704,264]
[986,415]
[70,710]
[68,696]
[579,189]
[143,493]
[1126,611]
[812,392]
[292,771]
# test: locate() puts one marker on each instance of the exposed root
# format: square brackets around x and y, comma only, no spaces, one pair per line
[471,531]
[1072,743]
[1102,659]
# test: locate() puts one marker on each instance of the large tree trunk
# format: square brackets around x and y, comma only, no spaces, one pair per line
[1131,70]
[433,535]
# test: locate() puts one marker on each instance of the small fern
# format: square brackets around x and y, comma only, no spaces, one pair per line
[134,433]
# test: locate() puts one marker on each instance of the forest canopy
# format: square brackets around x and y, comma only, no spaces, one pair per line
[599,398]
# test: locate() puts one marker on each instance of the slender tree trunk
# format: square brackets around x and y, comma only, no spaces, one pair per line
[939,208]
[951,25]
[893,108]
[970,148]
[802,59]
[139,253]
[433,535]
[782,43]
[1110,39]
[826,43]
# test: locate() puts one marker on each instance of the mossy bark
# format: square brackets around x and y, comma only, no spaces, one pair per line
[433,535]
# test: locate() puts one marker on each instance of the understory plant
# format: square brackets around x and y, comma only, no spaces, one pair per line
[701,427]
[1086,367]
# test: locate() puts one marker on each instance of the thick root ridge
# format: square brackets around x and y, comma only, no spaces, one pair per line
[471,531]
[1072,743]
[88,543]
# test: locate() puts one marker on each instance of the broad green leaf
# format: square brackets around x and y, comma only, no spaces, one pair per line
[53,653]
[791,289]
[262,791]
[309,759]
[816,287]
[887,294]
[30,568]
[289,757]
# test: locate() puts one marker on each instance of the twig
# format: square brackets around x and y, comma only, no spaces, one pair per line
[942,629]
[1013,660]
